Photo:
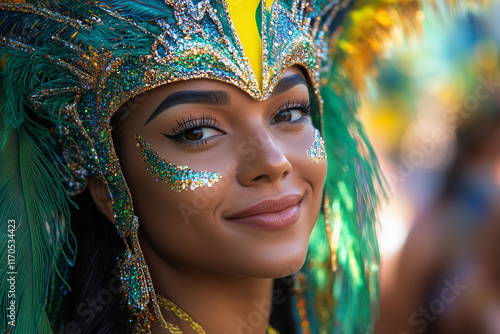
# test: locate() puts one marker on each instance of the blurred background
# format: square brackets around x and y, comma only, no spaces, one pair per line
[433,115]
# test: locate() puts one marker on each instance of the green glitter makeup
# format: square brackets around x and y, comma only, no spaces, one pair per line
[317,151]
[176,178]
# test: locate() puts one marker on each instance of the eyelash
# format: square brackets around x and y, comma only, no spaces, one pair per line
[190,123]
[304,106]
[208,121]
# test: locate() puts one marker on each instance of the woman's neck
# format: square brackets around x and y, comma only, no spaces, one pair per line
[220,303]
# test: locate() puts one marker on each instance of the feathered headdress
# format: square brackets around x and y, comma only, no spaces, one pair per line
[69,65]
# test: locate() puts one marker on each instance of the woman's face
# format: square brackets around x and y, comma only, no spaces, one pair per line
[256,220]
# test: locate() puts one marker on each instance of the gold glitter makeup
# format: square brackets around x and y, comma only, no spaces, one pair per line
[317,151]
[176,178]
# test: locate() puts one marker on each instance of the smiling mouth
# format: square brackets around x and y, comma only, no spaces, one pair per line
[272,214]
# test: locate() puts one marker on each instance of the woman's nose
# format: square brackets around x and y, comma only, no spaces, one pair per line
[262,160]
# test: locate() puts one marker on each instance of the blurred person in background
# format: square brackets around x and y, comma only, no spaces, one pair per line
[448,275]
[448,280]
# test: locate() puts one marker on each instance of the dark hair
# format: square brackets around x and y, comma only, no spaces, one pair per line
[94,304]
[86,297]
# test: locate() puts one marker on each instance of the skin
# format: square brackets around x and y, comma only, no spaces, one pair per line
[220,272]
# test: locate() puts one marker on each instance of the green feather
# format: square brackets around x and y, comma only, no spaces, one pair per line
[33,196]
[354,184]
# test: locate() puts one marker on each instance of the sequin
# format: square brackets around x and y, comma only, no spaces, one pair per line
[317,151]
[176,178]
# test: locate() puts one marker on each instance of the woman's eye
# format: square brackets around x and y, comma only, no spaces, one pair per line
[200,133]
[288,115]
[195,131]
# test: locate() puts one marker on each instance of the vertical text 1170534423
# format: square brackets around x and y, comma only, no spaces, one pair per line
[11,271]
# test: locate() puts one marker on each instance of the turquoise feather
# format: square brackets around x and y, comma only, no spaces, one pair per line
[32,194]
[140,10]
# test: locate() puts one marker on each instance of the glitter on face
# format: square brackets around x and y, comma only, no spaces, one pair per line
[317,151]
[176,178]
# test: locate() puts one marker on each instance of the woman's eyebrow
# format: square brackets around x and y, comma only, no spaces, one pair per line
[210,97]
[287,83]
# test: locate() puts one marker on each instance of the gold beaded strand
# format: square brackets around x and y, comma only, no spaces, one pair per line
[170,306]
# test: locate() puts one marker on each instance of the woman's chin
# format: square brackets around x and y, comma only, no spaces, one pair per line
[281,264]
[290,267]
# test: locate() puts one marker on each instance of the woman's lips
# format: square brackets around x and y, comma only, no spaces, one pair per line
[271,214]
